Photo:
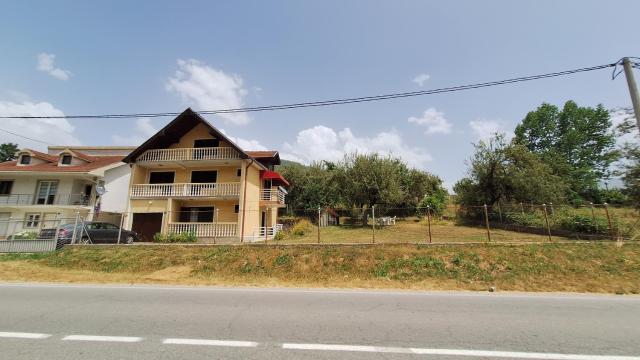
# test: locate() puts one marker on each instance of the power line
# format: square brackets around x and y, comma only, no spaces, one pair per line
[330,102]
[26,137]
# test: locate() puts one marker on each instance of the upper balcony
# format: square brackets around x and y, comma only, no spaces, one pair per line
[203,155]
[186,190]
[275,196]
[51,199]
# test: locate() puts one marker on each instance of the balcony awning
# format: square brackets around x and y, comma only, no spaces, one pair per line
[274,176]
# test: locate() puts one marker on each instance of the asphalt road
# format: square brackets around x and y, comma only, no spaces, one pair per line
[117,322]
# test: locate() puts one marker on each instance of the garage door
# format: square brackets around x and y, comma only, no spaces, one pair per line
[147,225]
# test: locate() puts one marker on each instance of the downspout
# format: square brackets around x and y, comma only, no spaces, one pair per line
[244,200]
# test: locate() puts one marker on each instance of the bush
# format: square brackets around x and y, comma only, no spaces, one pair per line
[24,235]
[583,224]
[184,237]
[302,227]
[526,219]
[279,235]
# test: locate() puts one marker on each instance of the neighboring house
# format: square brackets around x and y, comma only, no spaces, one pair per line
[42,189]
[189,177]
[329,217]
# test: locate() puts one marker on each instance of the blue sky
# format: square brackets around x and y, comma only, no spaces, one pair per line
[157,56]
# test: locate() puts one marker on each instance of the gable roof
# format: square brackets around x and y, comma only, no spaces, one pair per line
[97,163]
[39,155]
[266,155]
[175,130]
[79,155]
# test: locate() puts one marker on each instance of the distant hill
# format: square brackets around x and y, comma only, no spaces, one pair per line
[289,163]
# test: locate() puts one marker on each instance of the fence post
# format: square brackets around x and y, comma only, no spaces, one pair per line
[551,208]
[215,233]
[500,212]
[75,228]
[593,216]
[522,208]
[486,219]
[373,218]
[546,220]
[606,210]
[10,229]
[429,221]
[266,219]
[120,228]
[318,224]
[57,228]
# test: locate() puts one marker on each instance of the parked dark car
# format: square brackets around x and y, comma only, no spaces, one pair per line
[93,232]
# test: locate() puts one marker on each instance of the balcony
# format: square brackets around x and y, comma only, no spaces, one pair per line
[186,190]
[32,199]
[188,154]
[204,230]
[273,196]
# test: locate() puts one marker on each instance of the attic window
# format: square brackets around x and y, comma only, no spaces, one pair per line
[66,160]
[25,159]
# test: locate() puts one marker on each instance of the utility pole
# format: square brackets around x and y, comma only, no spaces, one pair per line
[633,88]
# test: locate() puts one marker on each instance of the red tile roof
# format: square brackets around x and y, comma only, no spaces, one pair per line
[43,156]
[98,162]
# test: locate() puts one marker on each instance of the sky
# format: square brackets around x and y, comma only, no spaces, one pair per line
[91,57]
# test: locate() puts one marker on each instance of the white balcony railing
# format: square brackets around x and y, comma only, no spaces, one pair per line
[266,233]
[186,154]
[185,190]
[204,229]
[51,199]
[275,195]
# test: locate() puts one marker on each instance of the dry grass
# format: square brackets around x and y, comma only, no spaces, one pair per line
[412,231]
[580,267]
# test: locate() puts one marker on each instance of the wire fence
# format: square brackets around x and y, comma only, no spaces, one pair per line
[228,224]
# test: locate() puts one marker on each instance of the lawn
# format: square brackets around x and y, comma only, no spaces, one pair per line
[569,267]
[411,231]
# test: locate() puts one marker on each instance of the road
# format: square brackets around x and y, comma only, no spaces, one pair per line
[119,322]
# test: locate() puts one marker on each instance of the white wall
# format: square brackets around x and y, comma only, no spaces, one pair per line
[116,182]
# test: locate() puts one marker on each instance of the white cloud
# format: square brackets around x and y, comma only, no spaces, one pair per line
[144,130]
[487,128]
[421,79]
[56,131]
[245,144]
[434,121]
[323,143]
[46,64]
[209,89]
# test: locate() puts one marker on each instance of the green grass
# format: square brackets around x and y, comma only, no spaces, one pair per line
[578,267]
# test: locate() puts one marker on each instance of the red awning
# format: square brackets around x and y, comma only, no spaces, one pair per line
[273,175]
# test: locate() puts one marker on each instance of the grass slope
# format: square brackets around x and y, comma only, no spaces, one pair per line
[593,267]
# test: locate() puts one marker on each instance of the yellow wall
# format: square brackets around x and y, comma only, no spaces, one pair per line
[252,202]
[226,174]
[198,132]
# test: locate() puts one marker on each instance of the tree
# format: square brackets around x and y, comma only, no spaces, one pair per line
[577,142]
[631,154]
[503,172]
[8,151]
[310,186]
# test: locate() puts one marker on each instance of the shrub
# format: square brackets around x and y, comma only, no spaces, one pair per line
[279,235]
[526,219]
[24,235]
[302,227]
[184,237]
[583,224]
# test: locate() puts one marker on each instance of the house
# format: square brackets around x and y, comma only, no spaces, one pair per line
[189,177]
[44,189]
[329,217]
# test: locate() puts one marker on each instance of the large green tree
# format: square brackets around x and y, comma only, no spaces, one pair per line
[8,151]
[577,142]
[631,158]
[508,172]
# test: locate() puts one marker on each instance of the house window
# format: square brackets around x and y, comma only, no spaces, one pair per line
[205,143]
[196,214]
[66,160]
[5,187]
[32,221]
[236,208]
[46,194]
[25,159]
[239,172]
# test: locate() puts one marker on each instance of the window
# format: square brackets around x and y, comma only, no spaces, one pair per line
[66,160]
[204,143]
[32,221]
[236,208]
[239,172]
[196,214]
[25,159]
[46,194]
[108,226]
[161,177]
[204,177]
[5,187]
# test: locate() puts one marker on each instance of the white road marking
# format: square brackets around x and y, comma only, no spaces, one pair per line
[129,339]
[206,342]
[23,335]
[454,352]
